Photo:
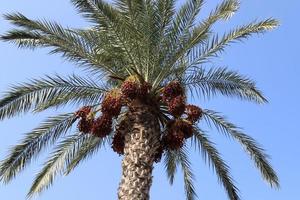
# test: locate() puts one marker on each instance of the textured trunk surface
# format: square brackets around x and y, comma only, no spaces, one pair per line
[141,143]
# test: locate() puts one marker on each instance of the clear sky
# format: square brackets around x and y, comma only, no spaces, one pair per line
[270,59]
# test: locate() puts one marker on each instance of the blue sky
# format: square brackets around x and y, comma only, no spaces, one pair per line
[270,59]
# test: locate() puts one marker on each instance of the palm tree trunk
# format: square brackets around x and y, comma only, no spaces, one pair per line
[141,144]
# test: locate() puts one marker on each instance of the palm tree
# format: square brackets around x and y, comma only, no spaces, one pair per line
[143,59]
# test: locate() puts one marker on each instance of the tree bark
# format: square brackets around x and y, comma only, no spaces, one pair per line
[141,144]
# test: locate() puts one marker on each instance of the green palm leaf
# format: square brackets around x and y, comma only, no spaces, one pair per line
[176,36]
[201,32]
[183,21]
[216,45]
[88,148]
[255,151]
[69,43]
[41,94]
[109,20]
[197,36]
[170,165]
[187,174]
[211,154]
[165,11]
[62,154]
[33,143]
[222,81]
[172,160]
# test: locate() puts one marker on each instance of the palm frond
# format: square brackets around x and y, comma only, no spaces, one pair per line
[46,92]
[37,33]
[180,32]
[183,21]
[134,11]
[225,10]
[109,20]
[97,11]
[176,36]
[33,143]
[151,37]
[105,50]
[222,81]
[166,10]
[56,163]
[216,45]
[172,160]
[87,149]
[187,174]
[170,165]
[200,32]
[23,38]
[256,152]
[197,36]
[211,154]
